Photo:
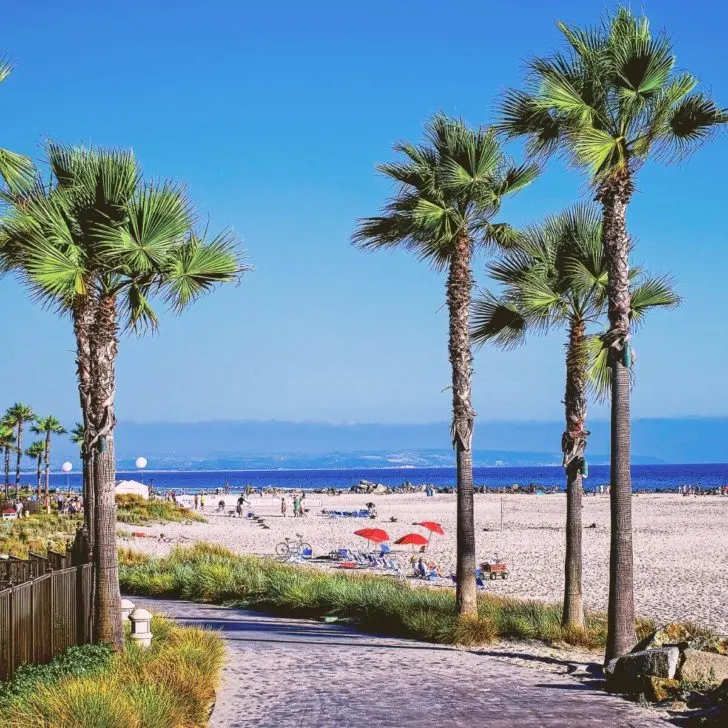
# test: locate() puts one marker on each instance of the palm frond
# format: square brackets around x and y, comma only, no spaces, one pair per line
[496,321]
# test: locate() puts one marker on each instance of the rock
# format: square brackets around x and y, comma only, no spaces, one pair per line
[626,675]
[711,643]
[656,689]
[673,633]
[703,667]
[379,489]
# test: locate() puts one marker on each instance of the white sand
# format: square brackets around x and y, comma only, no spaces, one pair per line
[680,544]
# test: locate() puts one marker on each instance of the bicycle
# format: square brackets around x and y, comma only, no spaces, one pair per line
[289,549]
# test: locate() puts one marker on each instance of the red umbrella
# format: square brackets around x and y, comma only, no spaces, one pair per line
[416,539]
[432,527]
[373,534]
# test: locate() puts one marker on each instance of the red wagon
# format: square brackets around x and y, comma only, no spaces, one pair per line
[494,569]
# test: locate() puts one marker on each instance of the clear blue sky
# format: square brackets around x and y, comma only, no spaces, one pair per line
[275,115]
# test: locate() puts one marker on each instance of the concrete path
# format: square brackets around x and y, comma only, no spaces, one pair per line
[284,673]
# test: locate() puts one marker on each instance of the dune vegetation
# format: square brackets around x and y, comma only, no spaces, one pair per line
[209,573]
[137,511]
[170,685]
[37,533]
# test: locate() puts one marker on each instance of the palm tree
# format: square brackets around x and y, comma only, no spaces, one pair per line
[48,426]
[99,245]
[15,169]
[608,103]
[18,414]
[449,190]
[556,277]
[7,443]
[37,450]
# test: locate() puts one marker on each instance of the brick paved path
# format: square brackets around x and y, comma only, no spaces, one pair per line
[284,673]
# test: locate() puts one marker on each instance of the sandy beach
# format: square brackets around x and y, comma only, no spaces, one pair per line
[681,543]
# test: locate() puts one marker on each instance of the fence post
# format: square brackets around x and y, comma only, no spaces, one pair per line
[32,621]
[52,612]
[11,641]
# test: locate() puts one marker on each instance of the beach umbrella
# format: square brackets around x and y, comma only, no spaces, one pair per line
[432,527]
[377,535]
[416,539]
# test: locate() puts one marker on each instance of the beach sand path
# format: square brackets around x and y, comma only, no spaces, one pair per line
[285,673]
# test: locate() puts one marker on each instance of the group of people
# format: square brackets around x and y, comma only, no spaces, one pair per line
[298,506]
[424,569]
[199,502]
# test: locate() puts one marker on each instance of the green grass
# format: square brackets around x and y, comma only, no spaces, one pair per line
[37,533]
[208,573]
[138,511]
[171,685]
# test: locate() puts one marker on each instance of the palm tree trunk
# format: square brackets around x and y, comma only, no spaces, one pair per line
[19,457]
[7,471]
[83,319]
[614,196]
[573,444]
[107,627]
[47,454]
[459,294]
[40,459]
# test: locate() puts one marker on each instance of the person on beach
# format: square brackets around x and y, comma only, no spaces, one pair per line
[239,507]
[202,502]
[296,503]
[196,501]
[284,507]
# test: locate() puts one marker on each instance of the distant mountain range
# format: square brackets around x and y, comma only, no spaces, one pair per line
[272,444]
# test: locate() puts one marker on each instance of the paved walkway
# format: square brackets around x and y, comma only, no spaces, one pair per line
[284,673]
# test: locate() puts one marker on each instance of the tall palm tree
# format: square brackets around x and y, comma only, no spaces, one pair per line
[449,190]
[37,450]
[18,414]
[15,169]
[609,102]
[556,277]
[48,426]
[7,443]
[99,245]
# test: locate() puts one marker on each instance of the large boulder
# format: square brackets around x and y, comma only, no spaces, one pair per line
[627,672]
[673,633]
[703,667]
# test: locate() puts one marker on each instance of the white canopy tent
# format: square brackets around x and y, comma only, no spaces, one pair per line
[132,487]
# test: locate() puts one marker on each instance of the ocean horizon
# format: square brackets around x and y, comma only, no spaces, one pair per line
[644,477]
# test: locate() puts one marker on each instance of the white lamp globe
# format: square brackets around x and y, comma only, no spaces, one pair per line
[67,467]
[141,463]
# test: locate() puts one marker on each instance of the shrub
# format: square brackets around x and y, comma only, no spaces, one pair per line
[169,685]
[138,511]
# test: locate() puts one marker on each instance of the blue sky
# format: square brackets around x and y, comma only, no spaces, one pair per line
[275,115]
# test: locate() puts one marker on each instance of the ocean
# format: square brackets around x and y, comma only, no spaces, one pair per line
[644,477]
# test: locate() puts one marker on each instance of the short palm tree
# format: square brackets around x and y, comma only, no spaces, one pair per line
[99,245]
[448,191]
[48,426]
[36,451]
[556,277]
[18,414]
[7,443]
[611,101]
[15,169]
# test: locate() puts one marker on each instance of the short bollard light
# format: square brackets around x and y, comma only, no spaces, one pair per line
[127,607]
[141,627]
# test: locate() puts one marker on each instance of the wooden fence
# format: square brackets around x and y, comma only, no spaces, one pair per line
[45,606]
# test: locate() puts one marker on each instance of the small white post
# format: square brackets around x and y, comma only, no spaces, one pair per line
[127,607]
[141,627]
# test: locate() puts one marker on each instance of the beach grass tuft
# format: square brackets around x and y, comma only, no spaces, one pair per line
[380,604]
[138,511]
[169,685]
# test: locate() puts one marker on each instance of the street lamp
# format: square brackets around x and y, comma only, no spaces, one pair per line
[141,463]
[67,468]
